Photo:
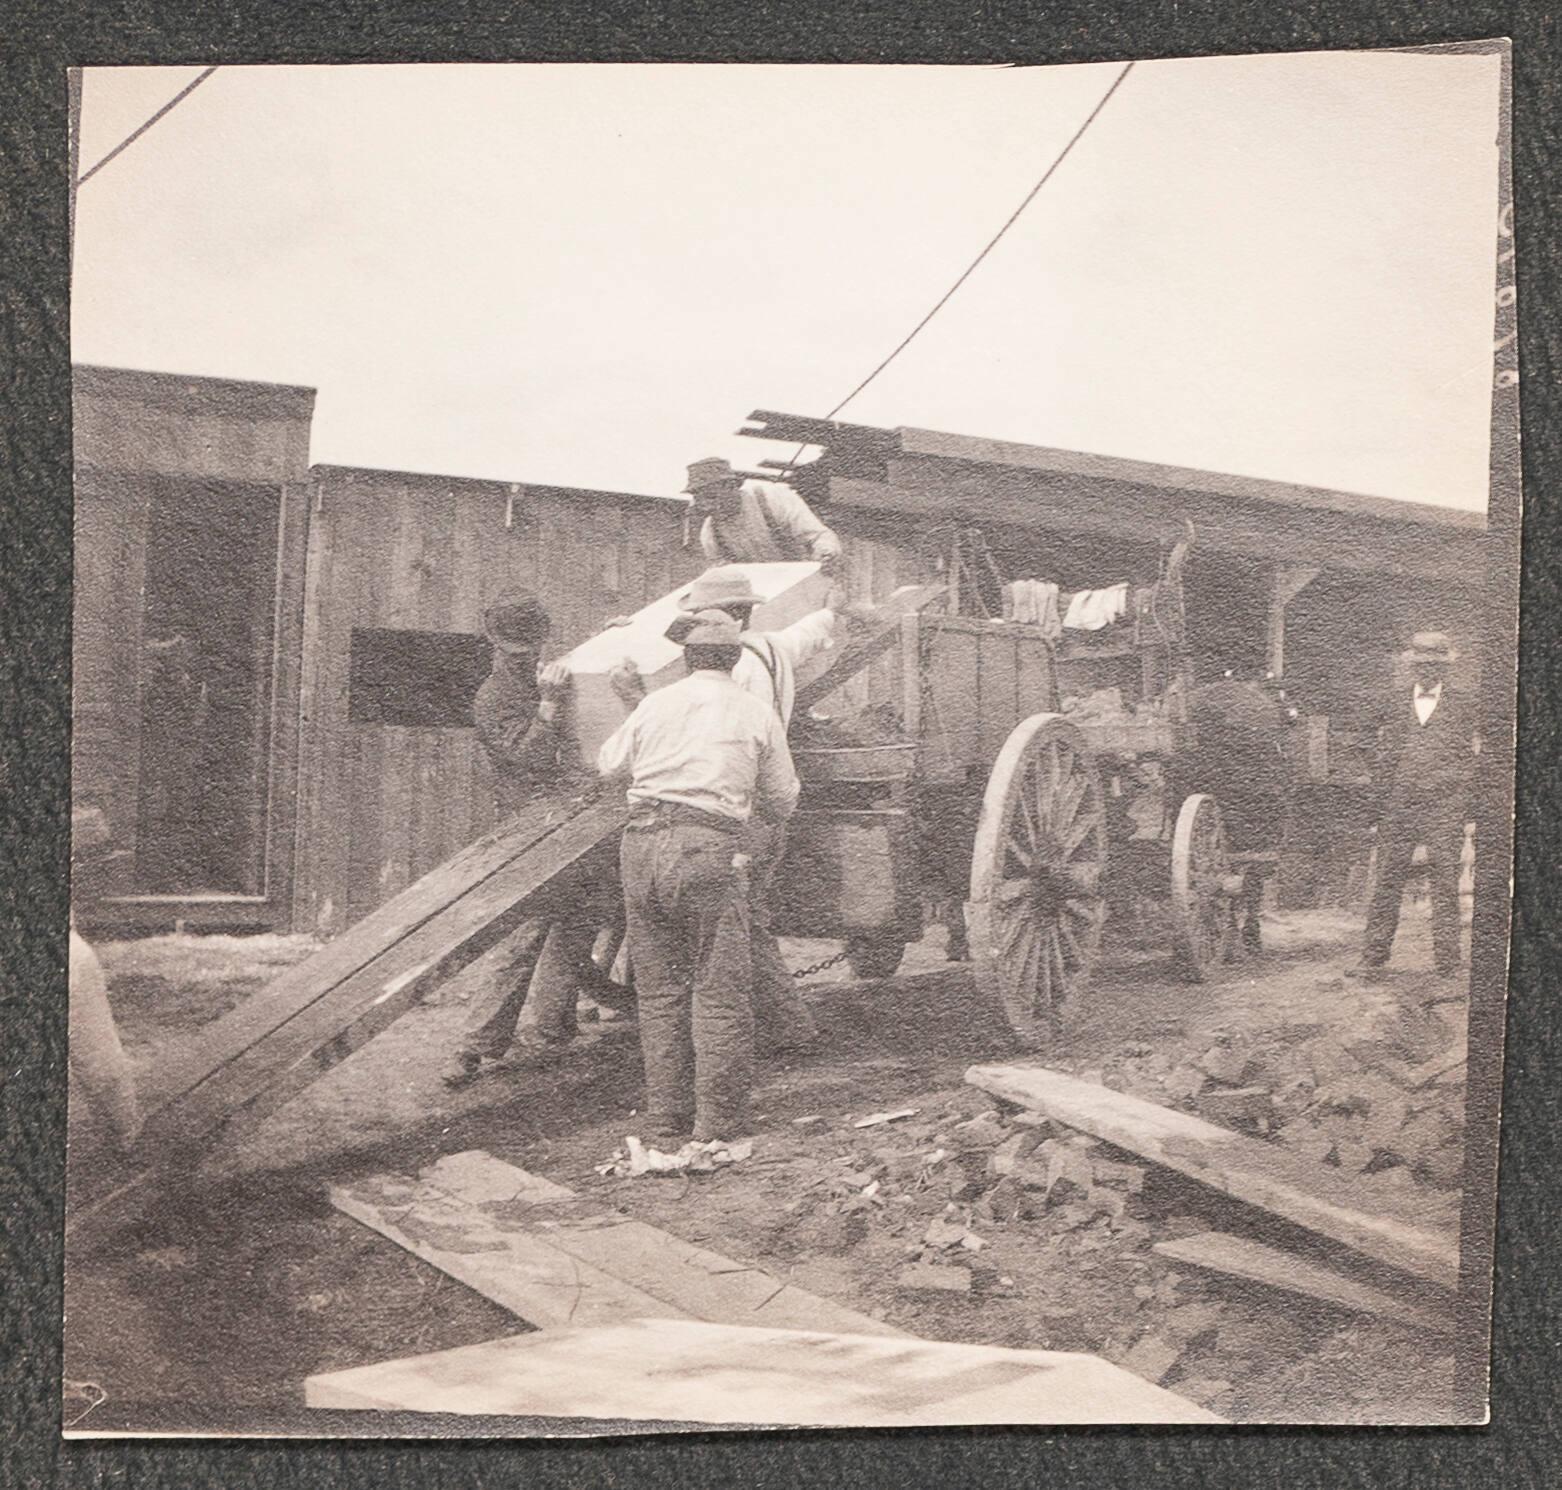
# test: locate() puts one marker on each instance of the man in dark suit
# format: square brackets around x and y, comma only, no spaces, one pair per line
[1424,765]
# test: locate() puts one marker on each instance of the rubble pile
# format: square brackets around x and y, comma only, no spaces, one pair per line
[1384,1102]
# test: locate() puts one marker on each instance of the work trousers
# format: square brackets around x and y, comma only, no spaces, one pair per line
[546,961]
[688,928]
[781,1019]
[1410,820]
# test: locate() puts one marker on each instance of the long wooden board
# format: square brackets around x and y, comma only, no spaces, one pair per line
[667,1371]
[545,1253]
[301,985]
[1240,1257]
[1419,1240]
[260,1077]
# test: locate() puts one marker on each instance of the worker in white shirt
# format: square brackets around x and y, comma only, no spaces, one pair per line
[754,522]
[768,670]
[703,758]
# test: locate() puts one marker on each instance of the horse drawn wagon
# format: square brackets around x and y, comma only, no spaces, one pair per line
[1041,779]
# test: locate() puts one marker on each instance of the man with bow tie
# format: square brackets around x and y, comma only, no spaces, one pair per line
[1425,763]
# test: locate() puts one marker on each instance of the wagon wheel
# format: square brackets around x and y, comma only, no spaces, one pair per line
[1036,911]
[1204,888]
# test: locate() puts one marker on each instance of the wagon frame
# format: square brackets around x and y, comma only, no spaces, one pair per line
[996,773]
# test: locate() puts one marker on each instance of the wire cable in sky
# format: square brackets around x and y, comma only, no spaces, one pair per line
[992,243]
[135,135]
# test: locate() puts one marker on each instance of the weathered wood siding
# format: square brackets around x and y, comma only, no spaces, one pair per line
[379,805]
[138,436]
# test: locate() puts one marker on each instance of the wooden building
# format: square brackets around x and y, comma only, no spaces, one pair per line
[275,663]
[1322,588]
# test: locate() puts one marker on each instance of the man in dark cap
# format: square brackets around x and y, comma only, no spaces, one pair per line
[517,716]
[1426,750]
[754,522]
[702,758]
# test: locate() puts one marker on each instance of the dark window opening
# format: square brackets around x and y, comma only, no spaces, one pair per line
[416,679]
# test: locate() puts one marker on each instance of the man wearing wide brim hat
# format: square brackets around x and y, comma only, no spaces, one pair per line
[701,759]
[1425,759]
[767,669]
[545,963]
[754,522]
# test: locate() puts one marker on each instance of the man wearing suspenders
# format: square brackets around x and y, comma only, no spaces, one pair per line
[767,669]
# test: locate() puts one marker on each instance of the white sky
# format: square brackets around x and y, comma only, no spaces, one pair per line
[589,275]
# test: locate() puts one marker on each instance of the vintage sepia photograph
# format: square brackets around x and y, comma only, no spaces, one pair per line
[788,746]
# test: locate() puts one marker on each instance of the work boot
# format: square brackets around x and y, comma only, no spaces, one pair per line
[665,1127]
[533,1047]
[723,1127]
[462,1070]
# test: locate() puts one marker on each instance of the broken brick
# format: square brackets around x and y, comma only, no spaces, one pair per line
[1184,1083]
[933,1277]
[985,1131]
[1151,1357]
[1235,1106]
[1187,1322]
[1129,1177]
[1227,1062]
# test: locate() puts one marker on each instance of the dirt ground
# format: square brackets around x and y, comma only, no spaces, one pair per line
[959,1222]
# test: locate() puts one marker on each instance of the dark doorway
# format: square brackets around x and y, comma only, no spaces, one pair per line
[206,663]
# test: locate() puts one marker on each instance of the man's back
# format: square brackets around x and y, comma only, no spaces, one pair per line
[707,743]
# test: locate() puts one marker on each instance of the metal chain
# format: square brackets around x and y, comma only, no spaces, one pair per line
[819,967]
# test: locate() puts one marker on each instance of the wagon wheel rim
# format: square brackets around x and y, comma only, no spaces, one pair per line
[1204,914]
[1036,910]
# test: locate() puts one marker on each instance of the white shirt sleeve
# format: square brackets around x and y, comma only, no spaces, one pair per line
[708,544]
[792,514]
[805,638]
[617,753]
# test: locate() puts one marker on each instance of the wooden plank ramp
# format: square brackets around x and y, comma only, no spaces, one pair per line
[1419,1240]
[553,1258]
[1241,1257]
[245,1065]
[665,1371]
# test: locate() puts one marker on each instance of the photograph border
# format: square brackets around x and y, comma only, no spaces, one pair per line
[37,703]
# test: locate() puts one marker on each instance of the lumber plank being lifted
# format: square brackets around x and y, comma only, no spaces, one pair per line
[1412,1239]
[260,1076]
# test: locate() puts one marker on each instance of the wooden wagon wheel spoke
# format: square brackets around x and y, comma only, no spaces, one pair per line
[1069,799]
[1038,974]
[1078,833]
[1011,890]
[1024,852]
[1200,869]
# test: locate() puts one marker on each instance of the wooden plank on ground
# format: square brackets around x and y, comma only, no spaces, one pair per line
[687,1371]
[469,1212]
[1239,1257]
[1410,1238]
